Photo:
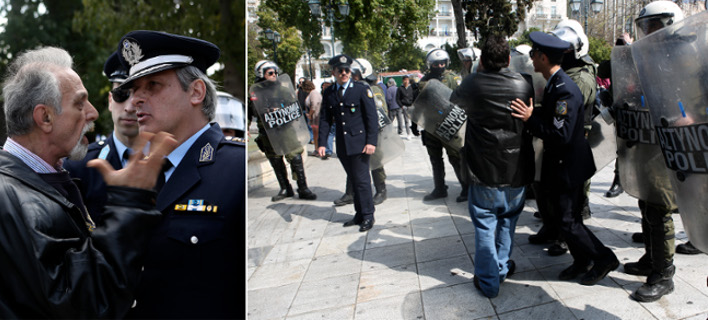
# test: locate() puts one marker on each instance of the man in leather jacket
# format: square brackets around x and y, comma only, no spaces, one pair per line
[499,158]
[55,262]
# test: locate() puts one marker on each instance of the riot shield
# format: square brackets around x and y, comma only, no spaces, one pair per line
[601,139]
[389,145]
[521,63]
[641,165]
[281,114]
[433,111]
[673,75]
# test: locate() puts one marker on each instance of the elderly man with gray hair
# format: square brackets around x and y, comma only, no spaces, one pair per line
[55,261]
[394,109]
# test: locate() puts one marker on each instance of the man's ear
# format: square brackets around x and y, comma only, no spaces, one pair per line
[43,116]
[197,91]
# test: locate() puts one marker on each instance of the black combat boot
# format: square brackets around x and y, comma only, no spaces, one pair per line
[659,283]
[463,194]
[380,195]
[440,190]
[281,173]
[299,169]
[615,189]
[639,268]
[347,197]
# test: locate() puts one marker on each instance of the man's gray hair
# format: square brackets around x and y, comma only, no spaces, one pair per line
[187,75]
[391,82]
[31,80]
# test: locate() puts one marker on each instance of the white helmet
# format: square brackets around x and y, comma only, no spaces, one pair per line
[229,112]
[437,55]
[522,49]
[264,65]
[364,66]
[657,15]
[466,54]
[570,30]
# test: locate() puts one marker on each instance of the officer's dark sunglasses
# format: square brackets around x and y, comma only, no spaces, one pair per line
[344,70]
[532,52]
[120,95]
[270,73]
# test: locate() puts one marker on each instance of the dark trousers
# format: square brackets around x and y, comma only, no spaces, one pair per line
[357,168]
[584,246]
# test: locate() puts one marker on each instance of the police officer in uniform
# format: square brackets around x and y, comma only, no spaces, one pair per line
[350,105]
[116,149]
[191,268]
[379,174]
[268,71]
[437,61]
[567,158]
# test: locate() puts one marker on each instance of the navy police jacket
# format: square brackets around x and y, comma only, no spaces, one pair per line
[355,116]
[91,184]
[195,255]
[567,158]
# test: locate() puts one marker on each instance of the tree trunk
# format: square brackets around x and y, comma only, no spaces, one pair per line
[459,24]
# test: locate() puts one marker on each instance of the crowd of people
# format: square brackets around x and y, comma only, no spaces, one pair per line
[494,159]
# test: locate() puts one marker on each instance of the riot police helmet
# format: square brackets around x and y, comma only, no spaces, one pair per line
[367,71]
[437,56]
[229,114]
[570,30]
[263,66]
[657,15]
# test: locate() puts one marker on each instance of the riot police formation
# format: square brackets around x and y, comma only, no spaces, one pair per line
[437,62]
[280,125]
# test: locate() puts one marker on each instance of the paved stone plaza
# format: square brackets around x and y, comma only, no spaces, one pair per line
[418,260]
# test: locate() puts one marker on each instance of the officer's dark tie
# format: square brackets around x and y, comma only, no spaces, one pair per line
[126,157]
[340,92]
[161,177]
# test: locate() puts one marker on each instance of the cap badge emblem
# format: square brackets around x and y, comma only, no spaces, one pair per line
[343,59]
[131,52]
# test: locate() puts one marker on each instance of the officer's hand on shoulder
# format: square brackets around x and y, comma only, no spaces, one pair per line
[141,171]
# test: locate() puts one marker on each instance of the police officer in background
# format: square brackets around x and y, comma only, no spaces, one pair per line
[350,105]
[191,268]
[379,174]
[116,149]
[567,158]
[268,71]
[657,222]
[438,60]
[467,57]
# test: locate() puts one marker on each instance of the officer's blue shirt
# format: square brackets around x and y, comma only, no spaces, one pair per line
[120,149]
[346,86]
[178,154]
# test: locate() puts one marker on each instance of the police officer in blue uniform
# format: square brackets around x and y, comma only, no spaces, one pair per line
[194,255]
[350,105]
[115,149]
[567,158]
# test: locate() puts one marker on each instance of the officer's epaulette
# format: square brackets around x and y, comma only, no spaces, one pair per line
[238,141]
[96,145]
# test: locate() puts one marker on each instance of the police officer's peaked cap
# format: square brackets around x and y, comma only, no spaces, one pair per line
[145,52]
[114,70]
[549,44]
[341,60]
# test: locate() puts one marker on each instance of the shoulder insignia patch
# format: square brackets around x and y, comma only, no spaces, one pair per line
[102,142]
[369,94]
[207,153]
[558,122]
[561,108]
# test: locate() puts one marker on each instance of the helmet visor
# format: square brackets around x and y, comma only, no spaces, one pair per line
[648,25]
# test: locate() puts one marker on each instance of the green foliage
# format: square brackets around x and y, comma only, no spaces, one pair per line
[405,55]
[524,38]
[90,31]
[290,48]
[485,17]
[600,50]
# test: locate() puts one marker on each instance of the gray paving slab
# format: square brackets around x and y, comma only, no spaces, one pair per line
[418,261]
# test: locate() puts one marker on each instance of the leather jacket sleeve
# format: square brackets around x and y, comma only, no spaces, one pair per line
[53,267]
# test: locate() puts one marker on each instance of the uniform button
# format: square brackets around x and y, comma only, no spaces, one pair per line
[135,303]
[342,113]
[345,132]
[560,161]
[194,239]
[142,268]
[343,123]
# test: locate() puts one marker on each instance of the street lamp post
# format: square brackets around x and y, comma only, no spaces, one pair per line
[331,7]
[273,36]
[309,59]
[596,5]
